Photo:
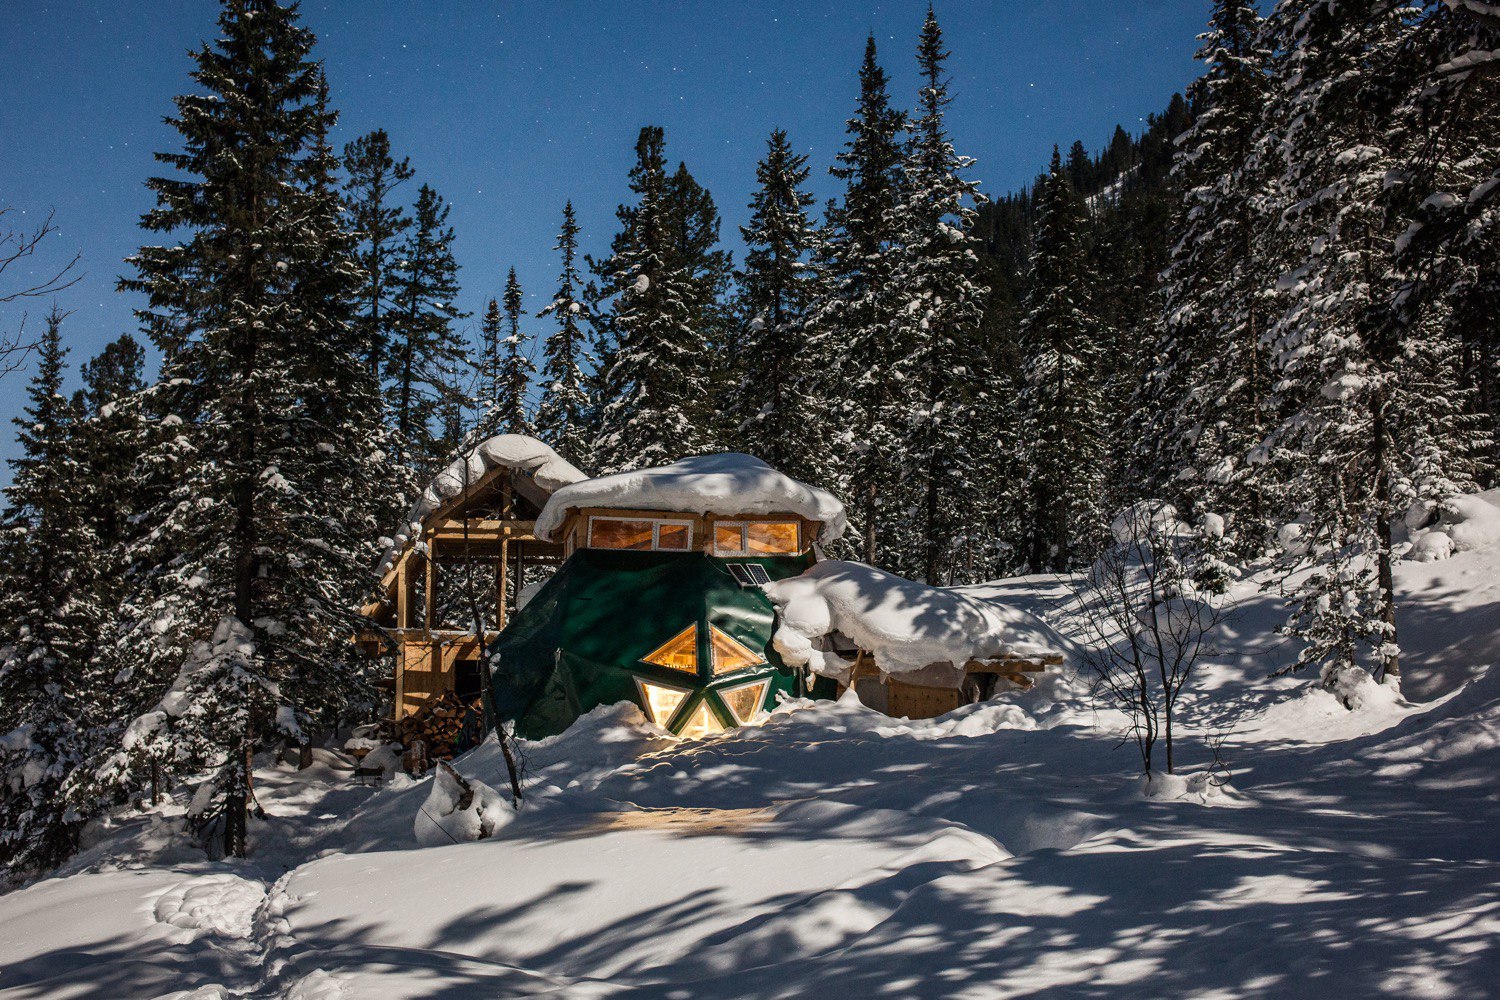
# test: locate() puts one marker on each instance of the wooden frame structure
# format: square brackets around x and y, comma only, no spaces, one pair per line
[904,700]
[483,537]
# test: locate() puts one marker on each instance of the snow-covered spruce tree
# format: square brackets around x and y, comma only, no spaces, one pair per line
[1449,193]
[851,355]
[516,370]
[1205,404]
[655,391]
[707,272]
[1368,405]
[934,319]
[769,411]
[372,175]
[267,449]
[426,345]
[491,336]
[47,550]
[562,413]
[1057,414]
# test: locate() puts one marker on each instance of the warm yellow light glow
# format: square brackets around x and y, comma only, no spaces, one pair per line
[701,723]
[679,652]
[730,655]
[744,701]
[661,701]
[772,538]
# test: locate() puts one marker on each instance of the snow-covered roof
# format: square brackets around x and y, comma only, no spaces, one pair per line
[548,469]
[907,626]
[725,484]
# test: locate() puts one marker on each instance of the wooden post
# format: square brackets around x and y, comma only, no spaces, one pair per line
[404,587]
[430,605]
[501,573]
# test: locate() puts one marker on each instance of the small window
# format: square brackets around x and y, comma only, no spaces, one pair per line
[661,701]
[618,533]
[678,653]
[767,538]
[729,539]
[640,534]
[729,654]
[745,701]
[673,537]
[757,538]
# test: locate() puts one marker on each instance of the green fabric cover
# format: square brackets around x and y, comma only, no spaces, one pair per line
[578,643]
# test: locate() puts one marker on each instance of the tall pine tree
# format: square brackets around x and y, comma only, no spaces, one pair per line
[562,414]
[1060,439]
[934,322]
[654,392]
[372,176]
[268,447]
[770,408]
[849,316]
[47,554]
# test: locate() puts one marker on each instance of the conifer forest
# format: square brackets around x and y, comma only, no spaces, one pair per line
[1253,338]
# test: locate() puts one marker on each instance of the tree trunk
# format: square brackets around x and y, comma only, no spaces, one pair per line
[1389,658]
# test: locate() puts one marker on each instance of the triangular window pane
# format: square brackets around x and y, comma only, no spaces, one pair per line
[701,723]
[744,701]
[660,701]
[679,653]
[730,655]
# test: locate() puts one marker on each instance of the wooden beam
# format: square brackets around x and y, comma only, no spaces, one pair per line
[502,570]
[429,615]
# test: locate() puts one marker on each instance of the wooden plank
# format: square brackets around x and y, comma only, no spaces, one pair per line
[912,701]
[502,571]
[430,602]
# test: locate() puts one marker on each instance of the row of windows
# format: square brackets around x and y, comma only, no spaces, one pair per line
[730,538]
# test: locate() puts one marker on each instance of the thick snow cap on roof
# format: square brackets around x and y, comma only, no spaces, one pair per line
[726,483]
[512,451]
[909,627]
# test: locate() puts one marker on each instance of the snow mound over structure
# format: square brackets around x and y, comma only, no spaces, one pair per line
[907,626]
[1458,524]
[512,451]
[725,483]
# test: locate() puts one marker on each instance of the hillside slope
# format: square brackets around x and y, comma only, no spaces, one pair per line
[1003,850]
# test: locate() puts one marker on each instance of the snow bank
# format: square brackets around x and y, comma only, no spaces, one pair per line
[909,627]
[512,451]
[459,809]
[1458,524]
[727,483]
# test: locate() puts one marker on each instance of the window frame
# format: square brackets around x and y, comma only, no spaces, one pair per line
[656,526]
[743,524]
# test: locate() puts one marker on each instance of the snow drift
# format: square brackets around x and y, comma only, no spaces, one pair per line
[727,483]
[909,627]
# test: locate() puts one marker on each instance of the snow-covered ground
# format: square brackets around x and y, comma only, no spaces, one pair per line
[1003,850]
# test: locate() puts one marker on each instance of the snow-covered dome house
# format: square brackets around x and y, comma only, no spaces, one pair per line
[659,599]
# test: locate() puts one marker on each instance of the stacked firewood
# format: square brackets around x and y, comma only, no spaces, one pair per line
[436,731]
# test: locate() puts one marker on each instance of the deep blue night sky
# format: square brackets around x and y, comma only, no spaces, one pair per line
[509,108]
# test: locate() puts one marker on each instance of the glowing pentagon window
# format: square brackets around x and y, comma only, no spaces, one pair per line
[730,655]
[679,652]
[661,701]
[745,701]
[703,722]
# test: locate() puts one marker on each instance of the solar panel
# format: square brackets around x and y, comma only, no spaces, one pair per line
[758,573]
[740,575]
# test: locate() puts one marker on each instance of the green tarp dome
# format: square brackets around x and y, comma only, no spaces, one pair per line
[580,641]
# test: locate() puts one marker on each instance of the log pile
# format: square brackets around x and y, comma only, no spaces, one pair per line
[436,731]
